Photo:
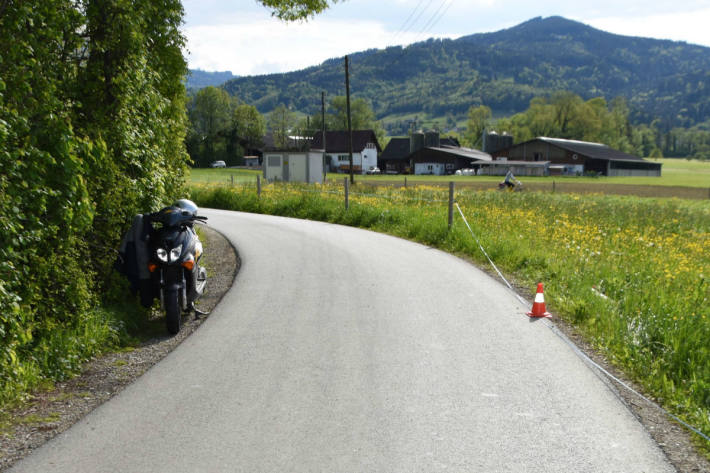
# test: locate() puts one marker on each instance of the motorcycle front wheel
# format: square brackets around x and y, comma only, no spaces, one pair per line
[172,312]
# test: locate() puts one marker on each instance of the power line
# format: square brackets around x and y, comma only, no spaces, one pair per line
[435,19]
[401,29]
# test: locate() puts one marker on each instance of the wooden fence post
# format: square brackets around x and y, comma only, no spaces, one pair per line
[405,182]
[258,186]
[347,188]
[451,204]
[232,177]
[553,187]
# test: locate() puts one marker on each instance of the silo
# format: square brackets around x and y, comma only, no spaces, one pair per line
[431,139]
[506,140]
[490,141]
[416,142]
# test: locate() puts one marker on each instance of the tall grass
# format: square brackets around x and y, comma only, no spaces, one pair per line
[632,274]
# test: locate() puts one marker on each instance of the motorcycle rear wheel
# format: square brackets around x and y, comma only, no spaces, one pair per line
[172,312]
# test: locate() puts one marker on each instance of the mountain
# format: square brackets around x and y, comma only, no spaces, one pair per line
[661,79]
[197,78]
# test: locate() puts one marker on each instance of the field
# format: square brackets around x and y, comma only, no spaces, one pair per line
[681,178]
[632,274]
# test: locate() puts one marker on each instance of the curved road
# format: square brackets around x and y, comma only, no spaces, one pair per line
[342,350]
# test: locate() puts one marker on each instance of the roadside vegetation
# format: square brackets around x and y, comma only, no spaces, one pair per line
[632,274]
[92,121]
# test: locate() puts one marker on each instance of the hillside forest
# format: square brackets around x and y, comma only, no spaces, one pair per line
[436,82]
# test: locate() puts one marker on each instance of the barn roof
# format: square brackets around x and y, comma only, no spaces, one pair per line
[337,141]
[590,149]
[449,152]
[397,148]
[476,154]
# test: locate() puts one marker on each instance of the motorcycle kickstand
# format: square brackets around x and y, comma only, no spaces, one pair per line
[197,311]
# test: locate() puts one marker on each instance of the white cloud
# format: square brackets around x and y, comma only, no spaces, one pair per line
[263,46]
[689,26]
[241,36]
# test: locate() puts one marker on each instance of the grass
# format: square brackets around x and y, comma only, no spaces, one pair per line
[650,258]
[223,175]
[34,419]
[681,173]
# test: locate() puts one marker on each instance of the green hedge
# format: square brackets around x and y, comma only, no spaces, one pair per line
[91,132]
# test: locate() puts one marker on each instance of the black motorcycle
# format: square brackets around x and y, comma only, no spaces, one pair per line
[174,249]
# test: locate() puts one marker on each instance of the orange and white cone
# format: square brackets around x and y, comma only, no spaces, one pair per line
[538,308]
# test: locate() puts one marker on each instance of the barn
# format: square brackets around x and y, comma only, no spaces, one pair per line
[571,157]
[428,153]
[443,160]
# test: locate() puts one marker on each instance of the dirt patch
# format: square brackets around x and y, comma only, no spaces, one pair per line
[52,412]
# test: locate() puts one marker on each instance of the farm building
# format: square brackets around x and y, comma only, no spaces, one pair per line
[294,166]
[500,167]
[445,160]
[570,157]
[365,150]
[395,157]
[493,142]
[427,153]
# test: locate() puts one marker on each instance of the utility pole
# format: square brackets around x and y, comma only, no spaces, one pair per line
[322,121]
[350,129]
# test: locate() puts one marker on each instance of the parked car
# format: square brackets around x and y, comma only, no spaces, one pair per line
[373,170]
[218,164]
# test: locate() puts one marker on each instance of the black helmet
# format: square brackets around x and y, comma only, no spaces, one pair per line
[186,205]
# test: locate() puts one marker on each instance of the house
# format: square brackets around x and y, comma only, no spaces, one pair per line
[365,150]
[428,153]
[570,157]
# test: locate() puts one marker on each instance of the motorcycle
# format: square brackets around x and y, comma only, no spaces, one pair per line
[516,187]
[175,250]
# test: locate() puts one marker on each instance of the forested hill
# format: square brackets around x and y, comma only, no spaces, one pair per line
[504,70]
[197,78]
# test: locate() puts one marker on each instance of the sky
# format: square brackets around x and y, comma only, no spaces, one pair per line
[241,36]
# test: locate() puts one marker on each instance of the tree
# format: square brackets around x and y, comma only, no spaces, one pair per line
[361,115]
[247,129]
[478,121]
[291,10]
[210,113]
[281,120]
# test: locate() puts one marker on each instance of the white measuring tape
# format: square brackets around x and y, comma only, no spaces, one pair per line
[574,347]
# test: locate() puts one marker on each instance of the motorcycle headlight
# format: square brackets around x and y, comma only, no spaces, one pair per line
[162,255]
[175,253]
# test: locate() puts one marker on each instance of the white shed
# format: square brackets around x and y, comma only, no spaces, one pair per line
[301,166]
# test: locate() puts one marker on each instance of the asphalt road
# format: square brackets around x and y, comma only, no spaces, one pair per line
[342,350]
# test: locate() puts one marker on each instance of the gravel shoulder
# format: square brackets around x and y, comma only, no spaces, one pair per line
[52,412]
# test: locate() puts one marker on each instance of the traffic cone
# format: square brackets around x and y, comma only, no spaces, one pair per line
[538,308]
